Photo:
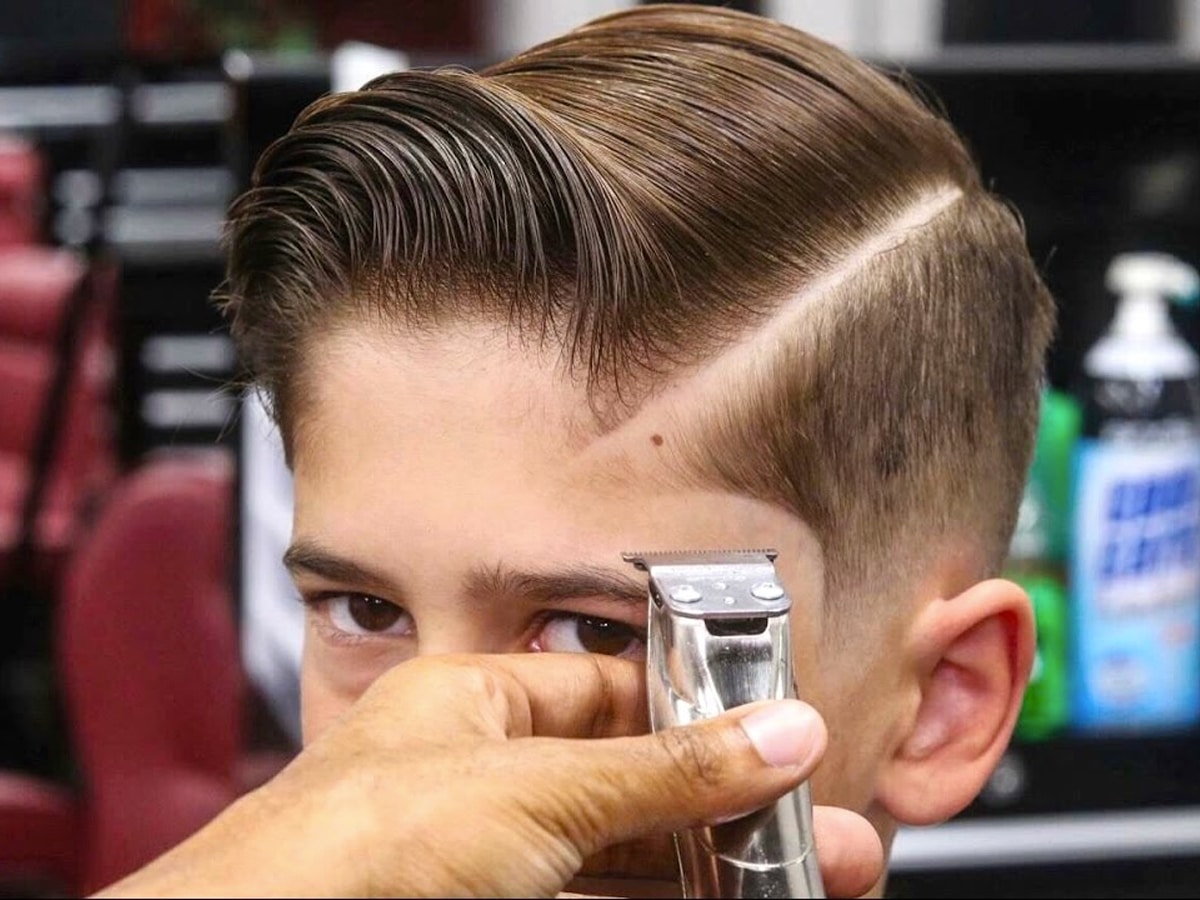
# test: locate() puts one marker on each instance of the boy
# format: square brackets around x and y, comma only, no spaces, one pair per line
[681,279]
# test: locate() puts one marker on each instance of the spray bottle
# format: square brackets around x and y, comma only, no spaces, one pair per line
[1135,559]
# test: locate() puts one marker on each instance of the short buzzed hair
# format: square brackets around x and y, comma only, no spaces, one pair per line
[672,190]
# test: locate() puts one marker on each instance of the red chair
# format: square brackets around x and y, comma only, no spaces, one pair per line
[35,284]
[151,668]
[21,174]
[151,675]
[39,837]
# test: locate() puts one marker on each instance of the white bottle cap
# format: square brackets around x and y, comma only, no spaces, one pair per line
[1159,273]
[1142,341]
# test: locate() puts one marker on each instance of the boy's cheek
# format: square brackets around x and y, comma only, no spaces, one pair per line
[323,699]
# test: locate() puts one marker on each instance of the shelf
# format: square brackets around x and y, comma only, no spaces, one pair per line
[1045,58]
[1038,840]
[71,107]
[54,108]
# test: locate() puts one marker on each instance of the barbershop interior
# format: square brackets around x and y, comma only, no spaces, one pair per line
[152,640]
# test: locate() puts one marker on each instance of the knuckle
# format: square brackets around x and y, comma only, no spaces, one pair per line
[464,689]
[602,712]
[463,675]
[474,679]
[694,758]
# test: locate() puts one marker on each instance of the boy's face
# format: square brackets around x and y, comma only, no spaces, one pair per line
[453,495]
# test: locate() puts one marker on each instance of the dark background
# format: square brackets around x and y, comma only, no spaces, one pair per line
[1085,115]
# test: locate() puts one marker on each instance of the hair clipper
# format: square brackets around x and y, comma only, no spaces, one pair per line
[719,637]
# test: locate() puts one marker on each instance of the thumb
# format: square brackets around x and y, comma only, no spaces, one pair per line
[704,773]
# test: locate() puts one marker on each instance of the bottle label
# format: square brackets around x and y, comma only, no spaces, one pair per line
[1136,581]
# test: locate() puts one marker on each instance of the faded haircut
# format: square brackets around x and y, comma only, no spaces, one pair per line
[678,189]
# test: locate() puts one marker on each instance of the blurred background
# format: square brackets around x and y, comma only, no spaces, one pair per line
[151,642]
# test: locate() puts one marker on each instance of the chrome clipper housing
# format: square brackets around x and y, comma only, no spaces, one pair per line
[719,637]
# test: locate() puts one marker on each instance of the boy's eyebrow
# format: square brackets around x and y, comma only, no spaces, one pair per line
[306,555]
[571,582]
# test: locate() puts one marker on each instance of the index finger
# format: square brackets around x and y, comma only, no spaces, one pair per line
[563,695]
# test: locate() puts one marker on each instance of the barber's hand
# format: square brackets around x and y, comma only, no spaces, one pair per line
[466,775]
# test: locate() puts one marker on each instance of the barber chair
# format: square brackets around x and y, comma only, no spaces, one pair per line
[152,682]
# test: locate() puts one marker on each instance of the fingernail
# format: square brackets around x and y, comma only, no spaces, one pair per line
[784,733]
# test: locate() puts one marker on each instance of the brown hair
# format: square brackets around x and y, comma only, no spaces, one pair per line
[677,189]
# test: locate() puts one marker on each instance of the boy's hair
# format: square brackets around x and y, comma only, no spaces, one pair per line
[673,192]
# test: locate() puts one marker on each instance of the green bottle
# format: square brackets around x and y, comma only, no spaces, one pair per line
[1046,707]
[1058,431]
[1037,562]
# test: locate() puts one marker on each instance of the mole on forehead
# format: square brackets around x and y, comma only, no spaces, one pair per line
[651,447]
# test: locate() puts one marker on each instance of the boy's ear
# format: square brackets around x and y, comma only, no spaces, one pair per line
[969,658]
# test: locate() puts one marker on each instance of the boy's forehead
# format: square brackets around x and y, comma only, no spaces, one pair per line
[494,389]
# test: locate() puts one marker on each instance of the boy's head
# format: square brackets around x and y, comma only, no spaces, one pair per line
[680,279]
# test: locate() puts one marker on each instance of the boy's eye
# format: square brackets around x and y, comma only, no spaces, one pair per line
[362,614]
[588,634]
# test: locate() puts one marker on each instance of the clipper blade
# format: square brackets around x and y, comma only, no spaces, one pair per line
[643,560]
[714,584]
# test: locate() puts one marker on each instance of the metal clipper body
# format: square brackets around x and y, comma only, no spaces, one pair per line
[719,637]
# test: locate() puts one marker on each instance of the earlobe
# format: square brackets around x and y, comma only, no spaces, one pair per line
[969,658]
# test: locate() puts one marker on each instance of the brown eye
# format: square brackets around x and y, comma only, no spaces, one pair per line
[586,634]
[363,614]
[605,636]
[373,614]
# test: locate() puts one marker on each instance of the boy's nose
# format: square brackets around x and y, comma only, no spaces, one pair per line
[464,634]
